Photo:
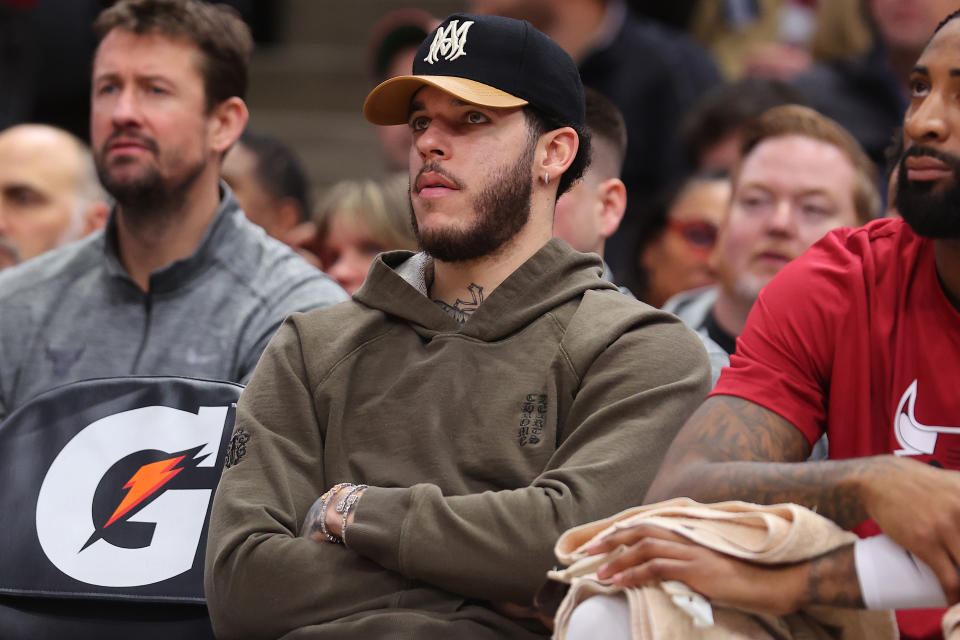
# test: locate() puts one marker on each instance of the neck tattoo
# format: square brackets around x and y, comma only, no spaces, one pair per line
[461,310]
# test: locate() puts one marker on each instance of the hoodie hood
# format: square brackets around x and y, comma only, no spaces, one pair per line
[553,276]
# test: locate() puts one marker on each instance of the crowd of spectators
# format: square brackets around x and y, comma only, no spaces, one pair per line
[760,198]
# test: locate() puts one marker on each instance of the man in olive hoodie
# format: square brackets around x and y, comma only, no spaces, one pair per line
[483,395]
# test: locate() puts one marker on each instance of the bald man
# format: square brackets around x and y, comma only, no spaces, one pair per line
[49,192]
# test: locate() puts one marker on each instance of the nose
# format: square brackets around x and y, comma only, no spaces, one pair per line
[781,220]
[126,109]
[925,121]
[350,270]
[433,142]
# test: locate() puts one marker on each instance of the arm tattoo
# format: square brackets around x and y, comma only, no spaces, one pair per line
[461,310]
[311,523]
[733,449]
[833,580]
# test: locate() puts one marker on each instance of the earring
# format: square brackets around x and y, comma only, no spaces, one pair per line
[546,177]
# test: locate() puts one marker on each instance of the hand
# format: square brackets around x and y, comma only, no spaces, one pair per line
[654,554]
[918,506]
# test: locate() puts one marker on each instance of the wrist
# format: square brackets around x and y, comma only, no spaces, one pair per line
[796,592]
[340,511]
[831,579]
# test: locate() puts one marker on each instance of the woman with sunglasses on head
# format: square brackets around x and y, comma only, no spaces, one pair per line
[674,243]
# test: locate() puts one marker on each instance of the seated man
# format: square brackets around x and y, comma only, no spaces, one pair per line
[860,339]
[179,282]
[801,175]
[271,187]
[470,402]
[49,192]
[592,209]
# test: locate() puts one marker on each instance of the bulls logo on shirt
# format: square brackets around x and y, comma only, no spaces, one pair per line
[914,437]
[125,501]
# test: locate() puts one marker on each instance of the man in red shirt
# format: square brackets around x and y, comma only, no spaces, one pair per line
[859,338]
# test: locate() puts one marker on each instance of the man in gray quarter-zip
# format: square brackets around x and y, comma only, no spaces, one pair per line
[481,396]
[179,282]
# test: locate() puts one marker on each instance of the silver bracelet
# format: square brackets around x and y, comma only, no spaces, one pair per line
[325,502]
[353,489]
[351,502]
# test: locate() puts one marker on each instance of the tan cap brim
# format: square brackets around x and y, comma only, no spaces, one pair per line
[389,102]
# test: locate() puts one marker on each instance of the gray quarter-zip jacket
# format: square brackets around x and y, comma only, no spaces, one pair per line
[75,314]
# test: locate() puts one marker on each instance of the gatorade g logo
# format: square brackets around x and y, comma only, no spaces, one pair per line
[124,502]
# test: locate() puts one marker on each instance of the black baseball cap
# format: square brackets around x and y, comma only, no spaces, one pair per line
[490,61]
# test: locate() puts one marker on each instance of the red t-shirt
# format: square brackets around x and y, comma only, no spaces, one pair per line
[857,338]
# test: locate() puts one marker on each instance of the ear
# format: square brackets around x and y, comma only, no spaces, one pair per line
[559,149]
[95,217]
[227,121]
[612,194]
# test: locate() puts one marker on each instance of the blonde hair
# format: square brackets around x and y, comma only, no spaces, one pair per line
[384,206]
[793,119]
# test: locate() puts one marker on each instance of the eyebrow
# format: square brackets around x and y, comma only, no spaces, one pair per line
[150,77]
[953,73]
[815,191]
[417,105]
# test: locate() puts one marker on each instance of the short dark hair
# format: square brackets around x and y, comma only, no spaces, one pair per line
[728,107]
[216,29]
[605,122]
[540,123]
[278,169]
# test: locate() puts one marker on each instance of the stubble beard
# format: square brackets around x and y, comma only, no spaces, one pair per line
[502,210]
[150,199]
[931,210]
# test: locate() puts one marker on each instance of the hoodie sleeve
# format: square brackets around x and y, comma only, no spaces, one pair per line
[261,579]
[640,378]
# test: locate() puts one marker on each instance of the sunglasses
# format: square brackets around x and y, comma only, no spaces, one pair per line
[699,234]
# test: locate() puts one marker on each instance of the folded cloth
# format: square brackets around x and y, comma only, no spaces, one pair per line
[951,623]
[777,534]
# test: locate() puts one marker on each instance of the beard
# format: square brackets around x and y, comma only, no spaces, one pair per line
[931,210]
[502,210]
[143,196]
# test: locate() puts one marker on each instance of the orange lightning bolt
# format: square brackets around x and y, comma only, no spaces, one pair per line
[144,483]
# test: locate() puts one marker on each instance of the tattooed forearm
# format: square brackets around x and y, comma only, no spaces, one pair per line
[732,449]
[832,580]
[461,310]
[311,523]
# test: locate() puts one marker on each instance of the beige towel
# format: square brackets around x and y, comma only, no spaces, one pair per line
[951,623]
[764,534]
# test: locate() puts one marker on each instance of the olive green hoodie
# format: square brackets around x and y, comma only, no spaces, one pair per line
[550,407]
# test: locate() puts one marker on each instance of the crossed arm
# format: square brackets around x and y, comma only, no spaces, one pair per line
[733,449]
